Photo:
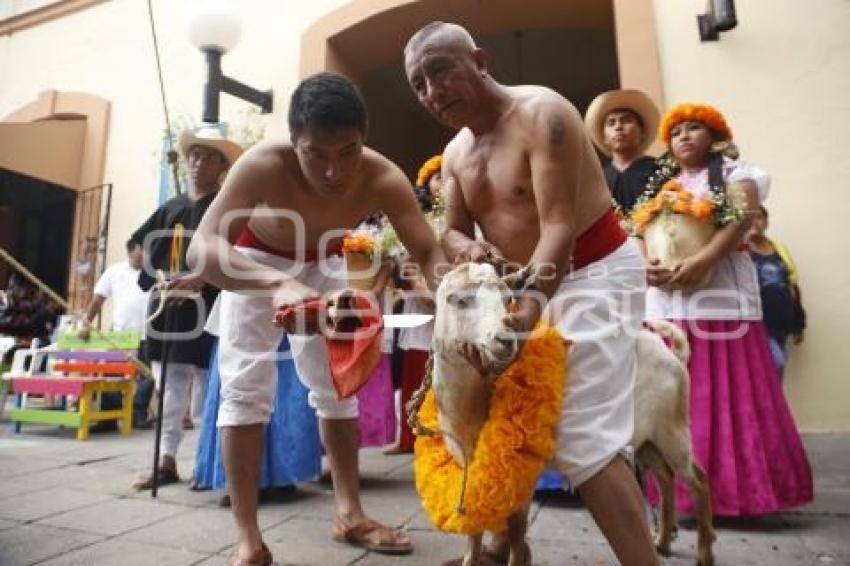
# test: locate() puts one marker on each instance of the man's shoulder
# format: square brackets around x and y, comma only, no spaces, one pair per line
[458,145]
[270,153]
[378,166]
[266,164]
[118,269]
[535,97]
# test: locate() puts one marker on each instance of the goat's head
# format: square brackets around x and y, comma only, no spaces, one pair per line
[472,301]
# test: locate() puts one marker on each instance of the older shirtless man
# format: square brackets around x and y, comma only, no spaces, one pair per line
[523,169]
[262,242]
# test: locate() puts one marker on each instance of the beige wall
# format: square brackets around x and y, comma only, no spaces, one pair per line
[107,50]
[782,78]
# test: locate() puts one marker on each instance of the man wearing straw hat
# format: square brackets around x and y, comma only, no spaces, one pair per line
[623,124]
[165,237]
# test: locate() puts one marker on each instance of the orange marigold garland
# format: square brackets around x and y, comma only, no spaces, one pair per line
[672,197]
[707,114]
[515,443]
[428,169]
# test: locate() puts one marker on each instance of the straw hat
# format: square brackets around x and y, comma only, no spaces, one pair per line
[605,103]
[210,136]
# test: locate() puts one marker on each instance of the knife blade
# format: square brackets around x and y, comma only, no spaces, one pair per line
[406,320]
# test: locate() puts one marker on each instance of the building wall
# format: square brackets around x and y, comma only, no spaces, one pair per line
[781,78]
[107,50]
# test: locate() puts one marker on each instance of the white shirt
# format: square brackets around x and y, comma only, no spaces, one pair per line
[130,303]
[733,291]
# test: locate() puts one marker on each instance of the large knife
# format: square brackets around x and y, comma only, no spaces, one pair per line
[406,320]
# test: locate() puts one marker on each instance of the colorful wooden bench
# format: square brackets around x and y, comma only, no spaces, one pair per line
[81,374]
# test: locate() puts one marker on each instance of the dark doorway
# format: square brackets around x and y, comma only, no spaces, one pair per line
[578,63]
[36,225]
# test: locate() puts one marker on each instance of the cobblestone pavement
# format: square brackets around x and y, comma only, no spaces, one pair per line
[65,502]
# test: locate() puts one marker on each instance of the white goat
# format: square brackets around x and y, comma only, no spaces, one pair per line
[662,434]
[471,348]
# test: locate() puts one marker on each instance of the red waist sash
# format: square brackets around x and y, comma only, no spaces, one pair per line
[598,241]
[247,239]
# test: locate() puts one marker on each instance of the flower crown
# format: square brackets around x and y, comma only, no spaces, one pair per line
[708,115]
[428,169]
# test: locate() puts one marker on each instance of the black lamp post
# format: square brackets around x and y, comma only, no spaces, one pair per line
[719,16]
[214,28]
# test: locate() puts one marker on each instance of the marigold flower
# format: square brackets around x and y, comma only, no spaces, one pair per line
[358,242]
[708,115]
[512,449]
[428,169]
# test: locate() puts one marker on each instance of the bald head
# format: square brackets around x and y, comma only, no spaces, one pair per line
[443,35]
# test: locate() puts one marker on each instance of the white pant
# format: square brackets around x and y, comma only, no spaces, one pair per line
[248,343]
[600,309]
[181,379]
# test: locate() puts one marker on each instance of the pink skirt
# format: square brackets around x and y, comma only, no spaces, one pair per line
[742,430]
[376,405]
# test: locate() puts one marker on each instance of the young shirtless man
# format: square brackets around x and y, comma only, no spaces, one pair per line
[523,169]
[267,241]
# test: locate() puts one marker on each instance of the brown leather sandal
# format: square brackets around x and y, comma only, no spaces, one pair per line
[373,536]
[166,476]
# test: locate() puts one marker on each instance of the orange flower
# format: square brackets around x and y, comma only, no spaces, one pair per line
[358,242]
[702,209]
[428,169]
[708,115]
[681,207]
[514,444]
[656,204]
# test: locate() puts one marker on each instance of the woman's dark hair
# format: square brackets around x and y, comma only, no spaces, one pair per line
[327,101]
[763,211]
[715,170]
[423,195]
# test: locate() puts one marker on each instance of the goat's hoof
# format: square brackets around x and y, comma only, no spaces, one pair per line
[520,556]
[662,546]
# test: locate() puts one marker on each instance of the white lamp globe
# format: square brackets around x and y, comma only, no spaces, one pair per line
[213,24]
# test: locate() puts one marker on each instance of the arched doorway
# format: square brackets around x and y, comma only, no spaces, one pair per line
[577,47]
[52,160]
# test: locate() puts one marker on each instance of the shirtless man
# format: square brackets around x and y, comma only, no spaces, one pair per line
[262,242]
[523,169]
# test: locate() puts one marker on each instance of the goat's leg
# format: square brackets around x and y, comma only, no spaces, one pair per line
[698,484]
[649,455]
[517,529]
[473,551]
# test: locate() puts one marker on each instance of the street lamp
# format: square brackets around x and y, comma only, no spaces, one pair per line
[214,28]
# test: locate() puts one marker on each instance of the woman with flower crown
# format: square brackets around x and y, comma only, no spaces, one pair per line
[693,219]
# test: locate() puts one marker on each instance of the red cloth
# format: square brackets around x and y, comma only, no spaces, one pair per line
[354,349]
[247,239]
[414,365]
[598,241]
